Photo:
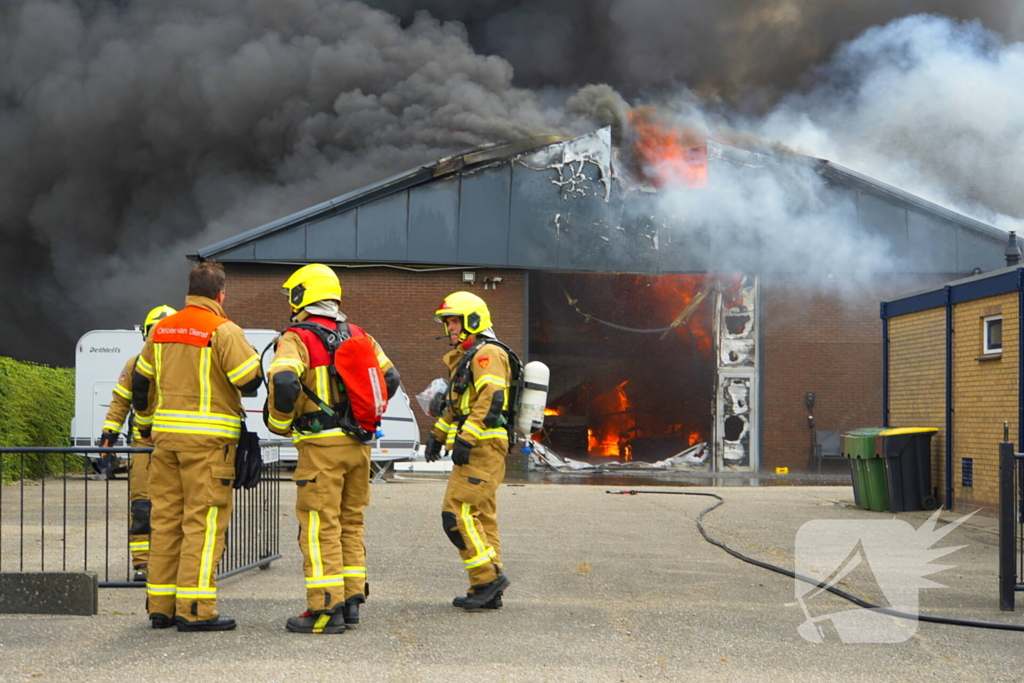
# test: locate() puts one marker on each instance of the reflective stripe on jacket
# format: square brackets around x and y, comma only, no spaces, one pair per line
[474,417]
[194,401]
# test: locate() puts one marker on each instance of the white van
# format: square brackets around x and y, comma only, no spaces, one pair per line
[100,358]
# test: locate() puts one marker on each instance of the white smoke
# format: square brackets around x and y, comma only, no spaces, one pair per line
[925,103]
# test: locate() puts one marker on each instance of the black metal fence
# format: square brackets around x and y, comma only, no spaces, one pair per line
[1011,524]
[67,519]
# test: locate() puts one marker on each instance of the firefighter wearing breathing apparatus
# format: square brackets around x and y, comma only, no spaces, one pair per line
[187,391]
[471,428]
[307,400]
[138,465]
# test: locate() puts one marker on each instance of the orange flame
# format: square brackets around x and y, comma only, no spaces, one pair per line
[553,411]
[694,437]
[668,157]
[610,434]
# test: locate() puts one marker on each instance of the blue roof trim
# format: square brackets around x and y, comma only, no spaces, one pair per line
[920,302]
[986,287]
[961,291]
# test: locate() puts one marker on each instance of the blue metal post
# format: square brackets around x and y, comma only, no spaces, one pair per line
[949,397]
[885,364]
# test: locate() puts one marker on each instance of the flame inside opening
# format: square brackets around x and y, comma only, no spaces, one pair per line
[668,157]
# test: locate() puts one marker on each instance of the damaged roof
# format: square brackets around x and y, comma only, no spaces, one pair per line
[559,204]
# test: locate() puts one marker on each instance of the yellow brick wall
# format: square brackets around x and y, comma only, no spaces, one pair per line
[917,380]
[984,396]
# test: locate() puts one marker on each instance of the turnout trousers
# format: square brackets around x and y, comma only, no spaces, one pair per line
[333,489]
[191,492]
[138,487]
[470,511]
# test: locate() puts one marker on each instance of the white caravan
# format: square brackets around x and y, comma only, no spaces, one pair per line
[100,358]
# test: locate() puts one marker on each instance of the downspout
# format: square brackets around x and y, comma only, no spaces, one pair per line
[949,397]
[885,364]
[1020,362]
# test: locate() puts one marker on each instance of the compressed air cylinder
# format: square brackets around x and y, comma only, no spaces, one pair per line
[530,417]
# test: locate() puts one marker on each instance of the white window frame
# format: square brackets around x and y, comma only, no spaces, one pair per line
[986,327]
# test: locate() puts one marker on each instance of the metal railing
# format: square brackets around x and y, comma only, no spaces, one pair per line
[68,519]
[1011,524]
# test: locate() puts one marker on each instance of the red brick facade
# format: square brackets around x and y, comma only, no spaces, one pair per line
[826,343]
[395,306]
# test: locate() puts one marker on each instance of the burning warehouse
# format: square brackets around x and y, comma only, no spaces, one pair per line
[682,291]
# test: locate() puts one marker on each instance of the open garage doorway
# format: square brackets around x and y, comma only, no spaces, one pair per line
[633,362]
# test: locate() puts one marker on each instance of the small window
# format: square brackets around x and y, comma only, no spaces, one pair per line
[994,334]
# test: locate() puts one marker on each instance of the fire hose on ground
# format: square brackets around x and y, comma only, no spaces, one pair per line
[860,602]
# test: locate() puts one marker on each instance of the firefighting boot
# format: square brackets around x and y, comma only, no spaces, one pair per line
[494,603]
[330,621]
[157,620]
[480,595]
[351,609]
[141,571]
[221,622]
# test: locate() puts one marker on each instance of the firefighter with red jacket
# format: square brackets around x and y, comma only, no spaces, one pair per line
[187,390]
[333,468]
[472,428]
[138,465]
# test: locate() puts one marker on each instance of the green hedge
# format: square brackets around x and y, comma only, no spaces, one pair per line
[37,403]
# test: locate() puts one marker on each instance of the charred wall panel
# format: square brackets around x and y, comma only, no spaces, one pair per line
[977,251]
[383,229]
[889,221]
[932,241]
[634,239]
[287,244]
[483,216]
[332,239]
[434,221]
[534,219]
[736,415]
[584,222]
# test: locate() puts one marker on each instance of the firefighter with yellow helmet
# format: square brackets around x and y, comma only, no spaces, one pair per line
[138,465]
[187,391]
[471,428]
[308,400]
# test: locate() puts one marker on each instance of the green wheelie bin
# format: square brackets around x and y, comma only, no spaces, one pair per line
[869,485]
[907,453]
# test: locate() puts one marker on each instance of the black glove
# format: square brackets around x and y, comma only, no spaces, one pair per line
[433,450]
[460,454]
[104,465]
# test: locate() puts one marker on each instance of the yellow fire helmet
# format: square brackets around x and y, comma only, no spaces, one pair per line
[155,316]
[471,308]
[308,284]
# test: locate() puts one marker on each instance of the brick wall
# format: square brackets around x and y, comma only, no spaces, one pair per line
[395,306]
[984,396]
[828,342]
[917,380]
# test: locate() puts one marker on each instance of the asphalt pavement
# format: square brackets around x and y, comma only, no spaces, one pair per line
[604,588]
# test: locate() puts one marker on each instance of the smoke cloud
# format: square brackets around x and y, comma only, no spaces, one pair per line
[924,103]
[749,52]
[136,132]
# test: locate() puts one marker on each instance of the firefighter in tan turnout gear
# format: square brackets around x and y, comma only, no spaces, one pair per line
[187,389]
[471,427]
[307,400]
[138,466]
